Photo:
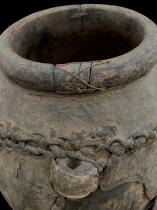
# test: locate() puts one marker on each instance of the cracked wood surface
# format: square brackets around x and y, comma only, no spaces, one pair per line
[74,21]
[113,129]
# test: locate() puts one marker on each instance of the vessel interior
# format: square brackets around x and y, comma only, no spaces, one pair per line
[61,38]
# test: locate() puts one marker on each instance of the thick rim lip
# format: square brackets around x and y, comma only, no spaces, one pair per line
[42,76]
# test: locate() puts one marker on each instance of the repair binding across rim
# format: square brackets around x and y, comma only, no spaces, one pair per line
[26,61]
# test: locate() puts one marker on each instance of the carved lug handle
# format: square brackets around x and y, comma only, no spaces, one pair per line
[74,179]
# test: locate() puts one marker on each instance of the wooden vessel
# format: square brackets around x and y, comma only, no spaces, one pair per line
[78,98]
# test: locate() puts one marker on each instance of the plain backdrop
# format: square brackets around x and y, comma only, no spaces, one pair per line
[13,10]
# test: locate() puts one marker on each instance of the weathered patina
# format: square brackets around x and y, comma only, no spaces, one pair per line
[78,117]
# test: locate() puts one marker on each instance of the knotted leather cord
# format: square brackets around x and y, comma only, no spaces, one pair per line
[89,86]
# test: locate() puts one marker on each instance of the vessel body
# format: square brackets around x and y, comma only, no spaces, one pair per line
[79,134]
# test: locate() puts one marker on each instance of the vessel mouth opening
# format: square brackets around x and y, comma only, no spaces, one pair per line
[64,38]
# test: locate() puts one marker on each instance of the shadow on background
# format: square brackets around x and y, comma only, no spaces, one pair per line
[3,203]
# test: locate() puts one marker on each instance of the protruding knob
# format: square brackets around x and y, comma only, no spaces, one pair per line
[74,179]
